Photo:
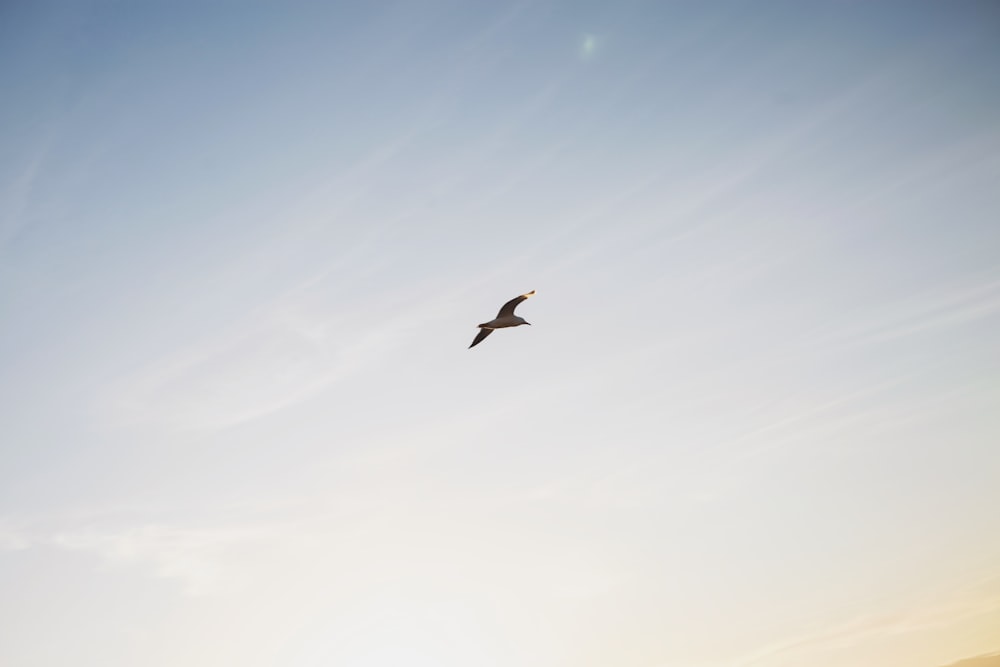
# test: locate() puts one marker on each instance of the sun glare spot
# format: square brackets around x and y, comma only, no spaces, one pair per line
[588,47]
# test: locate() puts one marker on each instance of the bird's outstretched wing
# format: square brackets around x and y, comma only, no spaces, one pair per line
[481,336]
[508,308]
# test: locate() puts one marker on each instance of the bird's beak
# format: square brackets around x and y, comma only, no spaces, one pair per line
[528,323]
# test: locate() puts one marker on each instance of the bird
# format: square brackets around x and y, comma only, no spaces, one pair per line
[505,318]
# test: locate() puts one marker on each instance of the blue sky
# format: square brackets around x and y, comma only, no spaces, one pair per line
[243,249]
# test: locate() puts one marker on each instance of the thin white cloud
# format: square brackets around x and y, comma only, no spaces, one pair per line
[12,538]
[191,556]
[941,308]
[279,356]
[16,197]
[978,598]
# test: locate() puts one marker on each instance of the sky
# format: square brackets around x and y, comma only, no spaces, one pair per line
[244,247]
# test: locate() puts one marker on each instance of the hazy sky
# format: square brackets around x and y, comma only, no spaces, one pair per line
[244,247]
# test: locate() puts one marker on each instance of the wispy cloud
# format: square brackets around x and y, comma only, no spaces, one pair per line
[978,598]
[197,558]
[16,197]
[987,660]
[193,556]
[941,308]
[11,538]
[283,353]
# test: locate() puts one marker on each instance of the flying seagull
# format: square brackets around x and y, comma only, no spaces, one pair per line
[505,318]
